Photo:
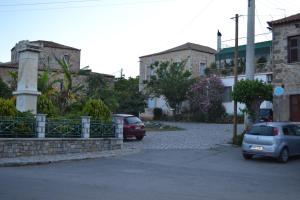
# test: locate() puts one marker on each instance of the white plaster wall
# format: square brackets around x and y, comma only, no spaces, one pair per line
[229,80]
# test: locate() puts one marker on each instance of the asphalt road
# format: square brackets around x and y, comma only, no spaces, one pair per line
[156,174]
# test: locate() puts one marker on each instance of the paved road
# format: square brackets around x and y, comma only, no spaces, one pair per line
[217,174]
[180,170]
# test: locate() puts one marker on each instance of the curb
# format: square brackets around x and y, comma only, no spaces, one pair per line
[40,160]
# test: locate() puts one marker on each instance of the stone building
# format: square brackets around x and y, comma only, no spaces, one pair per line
[50,51]
[286,67]
[197,58]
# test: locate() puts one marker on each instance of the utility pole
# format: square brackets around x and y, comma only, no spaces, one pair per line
[235,73]
[250,51]
[250,66]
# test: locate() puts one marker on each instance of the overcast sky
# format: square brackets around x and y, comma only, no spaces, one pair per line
[112,34]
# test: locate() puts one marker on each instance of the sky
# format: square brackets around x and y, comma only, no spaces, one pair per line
[113,34]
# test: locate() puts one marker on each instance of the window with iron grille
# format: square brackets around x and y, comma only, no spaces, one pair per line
[294,49]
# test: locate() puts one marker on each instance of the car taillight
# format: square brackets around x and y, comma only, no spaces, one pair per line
[275,131]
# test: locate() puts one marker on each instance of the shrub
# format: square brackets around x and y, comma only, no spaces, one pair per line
[157,113]
[97,110]
[216,112]
[5,91]
[45,106]
[7,107]
[238,140]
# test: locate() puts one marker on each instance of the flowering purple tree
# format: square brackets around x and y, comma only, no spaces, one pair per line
[206,93]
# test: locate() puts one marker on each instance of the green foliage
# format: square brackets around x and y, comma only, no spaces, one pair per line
[45,106]
[157,113]
[130,100]
[216,112]
[97,110]
[5,91]
[238,140]
[14,80]
[252,93]
[68,94]
[99,88]
[7,107]
[172,81]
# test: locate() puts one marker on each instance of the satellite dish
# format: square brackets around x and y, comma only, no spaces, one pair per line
[278,91]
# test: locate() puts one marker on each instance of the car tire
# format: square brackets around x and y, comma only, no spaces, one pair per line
[247,156]
[139,138]
[284,155]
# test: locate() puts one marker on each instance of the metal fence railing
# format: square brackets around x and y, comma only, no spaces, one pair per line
[100,129]
[17,127]
[42,127]
[63,128]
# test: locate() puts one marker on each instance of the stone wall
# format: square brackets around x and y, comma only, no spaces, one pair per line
[194,58]
[284,73]
[20,147]
[48,55]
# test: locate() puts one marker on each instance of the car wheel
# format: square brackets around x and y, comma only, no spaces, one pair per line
[284,155]
[247,156]
[139,138]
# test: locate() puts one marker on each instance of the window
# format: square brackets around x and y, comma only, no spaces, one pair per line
[291,130]
[202,67]
[262,130]
[227,94]
[294,49]
[67,59]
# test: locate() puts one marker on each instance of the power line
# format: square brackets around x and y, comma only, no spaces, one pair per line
[47,3]
[82,6]
[246,37]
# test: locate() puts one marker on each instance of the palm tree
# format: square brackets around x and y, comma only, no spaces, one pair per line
[68,94]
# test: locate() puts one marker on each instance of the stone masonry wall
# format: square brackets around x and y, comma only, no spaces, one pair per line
[10,148]
[194,58]
[48,55]
[284,73]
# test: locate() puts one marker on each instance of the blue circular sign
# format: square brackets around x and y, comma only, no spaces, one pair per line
[278,91]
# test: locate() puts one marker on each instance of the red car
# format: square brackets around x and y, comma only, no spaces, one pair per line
[133,127]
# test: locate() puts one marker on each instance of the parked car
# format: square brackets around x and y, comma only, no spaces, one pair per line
[265,115]
[133,127]
[272,139]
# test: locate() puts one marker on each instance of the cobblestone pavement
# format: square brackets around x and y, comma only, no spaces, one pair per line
[195,136]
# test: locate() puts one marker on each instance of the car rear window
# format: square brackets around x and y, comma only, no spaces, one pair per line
[133,120]
[261,130]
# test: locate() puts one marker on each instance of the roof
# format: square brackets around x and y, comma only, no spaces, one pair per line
[8,65]
[186,46]
[54,45]
[285,20]
[260,48]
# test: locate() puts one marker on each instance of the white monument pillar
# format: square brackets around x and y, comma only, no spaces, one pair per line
[27,77]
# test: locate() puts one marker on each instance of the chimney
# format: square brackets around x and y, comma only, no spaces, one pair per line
[219,41]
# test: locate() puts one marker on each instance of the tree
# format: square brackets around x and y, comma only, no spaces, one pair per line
[98,88]
[252,93]
[170,80]
[129,98]
[68,94]
[5,91]
[97,110]
[205,97]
